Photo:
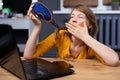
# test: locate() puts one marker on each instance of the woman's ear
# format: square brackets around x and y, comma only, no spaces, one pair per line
[89,26]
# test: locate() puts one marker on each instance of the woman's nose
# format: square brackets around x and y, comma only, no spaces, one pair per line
[74,20]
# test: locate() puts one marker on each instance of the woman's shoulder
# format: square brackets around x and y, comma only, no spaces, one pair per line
[63,32]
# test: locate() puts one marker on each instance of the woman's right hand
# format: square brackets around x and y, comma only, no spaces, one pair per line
[35,20]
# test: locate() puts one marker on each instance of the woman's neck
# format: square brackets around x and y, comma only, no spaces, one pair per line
[76,42]
[75,46]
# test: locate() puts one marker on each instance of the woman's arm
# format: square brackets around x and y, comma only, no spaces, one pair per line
[107,54]
[32,41]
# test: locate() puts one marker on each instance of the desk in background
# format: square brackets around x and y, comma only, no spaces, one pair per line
[22,28]
[84,70]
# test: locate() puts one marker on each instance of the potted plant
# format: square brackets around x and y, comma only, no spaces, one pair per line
[115,4]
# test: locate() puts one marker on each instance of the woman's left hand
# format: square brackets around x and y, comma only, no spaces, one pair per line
[78,31]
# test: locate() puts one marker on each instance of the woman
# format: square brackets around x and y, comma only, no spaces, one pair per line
[75,42]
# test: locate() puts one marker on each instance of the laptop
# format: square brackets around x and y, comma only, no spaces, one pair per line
[32,69]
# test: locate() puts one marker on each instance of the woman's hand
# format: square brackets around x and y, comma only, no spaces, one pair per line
[35,20]
[78,31]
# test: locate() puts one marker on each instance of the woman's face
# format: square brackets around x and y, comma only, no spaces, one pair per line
[77,18]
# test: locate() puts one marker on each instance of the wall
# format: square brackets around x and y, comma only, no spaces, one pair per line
[99,7]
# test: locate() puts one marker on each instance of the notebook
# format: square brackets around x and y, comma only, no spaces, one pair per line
[32,69]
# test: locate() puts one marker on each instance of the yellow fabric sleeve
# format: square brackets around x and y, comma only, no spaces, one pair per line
[45,45]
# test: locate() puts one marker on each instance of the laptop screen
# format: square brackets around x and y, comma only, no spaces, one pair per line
[9,53]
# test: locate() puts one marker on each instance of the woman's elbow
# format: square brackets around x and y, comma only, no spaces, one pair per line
[113,62]
[27,56]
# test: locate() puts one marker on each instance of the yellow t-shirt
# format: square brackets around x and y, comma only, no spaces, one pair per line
[62,44]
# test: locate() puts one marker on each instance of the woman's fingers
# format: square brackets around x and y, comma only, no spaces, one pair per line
[71,28]
[77,29]
[30,13]
[30,9]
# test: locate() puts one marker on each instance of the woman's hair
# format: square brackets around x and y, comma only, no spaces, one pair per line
[90,16]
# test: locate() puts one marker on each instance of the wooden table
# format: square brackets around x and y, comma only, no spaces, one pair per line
[85,69]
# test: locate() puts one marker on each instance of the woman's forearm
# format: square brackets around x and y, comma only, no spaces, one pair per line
[31,43]
[109,55]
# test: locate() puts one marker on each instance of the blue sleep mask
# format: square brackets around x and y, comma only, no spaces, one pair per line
[42,12]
